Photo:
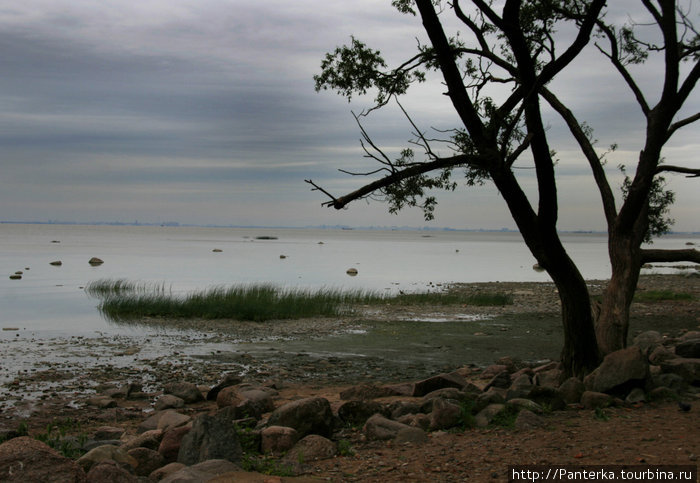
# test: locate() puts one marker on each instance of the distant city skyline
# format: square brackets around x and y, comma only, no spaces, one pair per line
[205,113]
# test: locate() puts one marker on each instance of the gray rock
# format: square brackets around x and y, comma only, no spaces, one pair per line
[571,390]
[688,369]
[636,395]
[278,439]
[111,472]
[248,400]
[201,472]
[147,460]
[486,415]
[689,349]
[168,401]
[170,444]
[107,432]
[549,378]
[211,437]
[308,416]
[648,341]
[444,415]
[228,381]
[148,439]
[186,391]
[441,381]
[25,459]
[520,387]
[312,448]
[547,396]
[402,408]
[105,453]
[661,354]
[593,400]
[488,398]
[380,428]
[172,419]
[522,403]
[619,372]
[358,412]
[671,381]
[528,420]
[500,380]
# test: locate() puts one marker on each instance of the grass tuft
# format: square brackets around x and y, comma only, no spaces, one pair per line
[660,295]
[123,300]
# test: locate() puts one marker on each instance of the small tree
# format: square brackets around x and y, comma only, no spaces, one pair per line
[514,48]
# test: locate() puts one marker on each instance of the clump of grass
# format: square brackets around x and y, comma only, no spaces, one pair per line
[107,287]
[660,295]
[249,302]
[124,300]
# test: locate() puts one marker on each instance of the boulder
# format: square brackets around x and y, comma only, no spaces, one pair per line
[358,412]
[571,390]
[312,448]
[229,380]
[110,471]
[168,401]
[689,349]
[594,400]
[200,472]
[172,419]
[165,471]
[636,395]
[94,261]
[278,439]
[522,403]
[549,378]
[486,415]
[248,400]
[648,341]
[661,354]
[688,369]
[372,391]
[186,391]
[500,380]
[487,398]
[106,452]
[380,428]
[526,419]
[619,372]
[25,459]
[547,396]
[670,381]
[441,381]
[444,415]
[170,444]
[148,439]
[107,432]
[308,416]
[493,370]
[419,420]
[520,387]
[147,460]
[398,409]
[211,437]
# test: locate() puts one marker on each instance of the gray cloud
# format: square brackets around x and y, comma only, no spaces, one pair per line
[205,112]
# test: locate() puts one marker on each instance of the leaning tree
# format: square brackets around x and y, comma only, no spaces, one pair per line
[515,48]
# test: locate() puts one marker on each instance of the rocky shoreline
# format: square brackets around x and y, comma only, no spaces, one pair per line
[206,429]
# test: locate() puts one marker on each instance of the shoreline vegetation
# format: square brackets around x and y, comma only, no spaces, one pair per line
[122,299]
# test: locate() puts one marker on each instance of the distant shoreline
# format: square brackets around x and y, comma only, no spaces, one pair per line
[174,224]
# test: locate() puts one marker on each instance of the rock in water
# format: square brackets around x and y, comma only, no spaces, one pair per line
[95,261]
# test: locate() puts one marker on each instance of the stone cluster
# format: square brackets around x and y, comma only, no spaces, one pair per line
[195,434]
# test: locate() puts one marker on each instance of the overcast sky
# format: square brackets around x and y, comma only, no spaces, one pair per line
[204,112]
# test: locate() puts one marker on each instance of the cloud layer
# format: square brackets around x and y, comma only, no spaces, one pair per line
[205,112]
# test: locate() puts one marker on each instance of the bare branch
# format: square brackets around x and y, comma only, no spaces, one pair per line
[691,172]
[679,124]
[318,188]
[657,255]
[614,56]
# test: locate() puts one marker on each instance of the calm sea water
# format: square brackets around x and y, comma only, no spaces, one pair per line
[50,300]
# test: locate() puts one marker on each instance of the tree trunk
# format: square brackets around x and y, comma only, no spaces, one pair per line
[612,324]
[580,354]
